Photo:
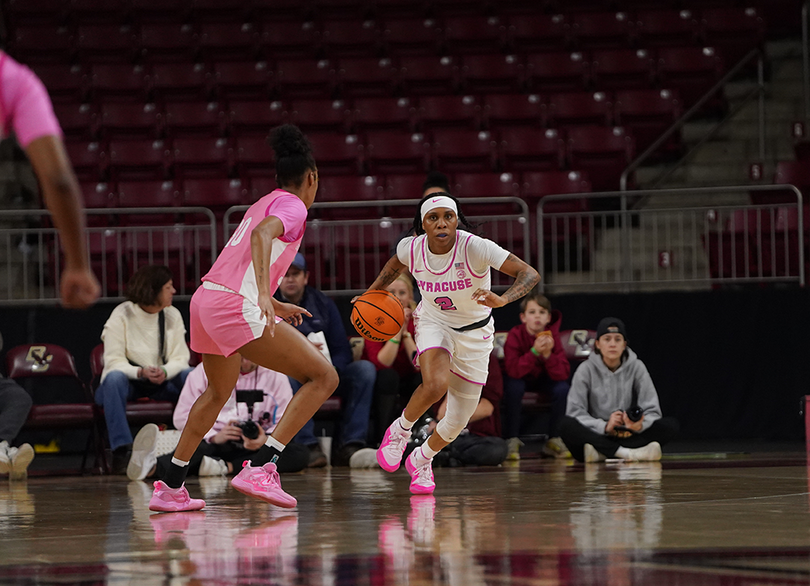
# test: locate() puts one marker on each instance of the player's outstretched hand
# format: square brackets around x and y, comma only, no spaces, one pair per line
[488,298]
[79,288]
[290,313]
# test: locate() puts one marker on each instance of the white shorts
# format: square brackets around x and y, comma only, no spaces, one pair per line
[469,351]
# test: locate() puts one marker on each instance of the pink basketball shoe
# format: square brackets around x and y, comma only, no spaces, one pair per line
[263,482]
[172,500]
[421,476]
[395,440]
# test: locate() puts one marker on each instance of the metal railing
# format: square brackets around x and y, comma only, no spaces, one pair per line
[346,254]
[670,247]
[118,240]
[686,116]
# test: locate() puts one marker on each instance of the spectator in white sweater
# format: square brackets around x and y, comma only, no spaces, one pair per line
[145,354]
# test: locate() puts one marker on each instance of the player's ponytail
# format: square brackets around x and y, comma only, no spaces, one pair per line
[293,155]
[417,218]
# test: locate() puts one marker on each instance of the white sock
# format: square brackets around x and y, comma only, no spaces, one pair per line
[177,462]
[274,443]
[404,423]
[423,454]
[623,453]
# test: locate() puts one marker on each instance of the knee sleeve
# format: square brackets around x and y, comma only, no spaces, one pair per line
[461,404]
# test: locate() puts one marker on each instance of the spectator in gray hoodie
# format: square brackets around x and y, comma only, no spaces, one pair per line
[612,409]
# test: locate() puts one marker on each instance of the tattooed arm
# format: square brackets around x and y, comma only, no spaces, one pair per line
[525,279]
[389,273]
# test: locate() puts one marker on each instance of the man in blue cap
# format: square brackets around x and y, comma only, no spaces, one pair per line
[325,330]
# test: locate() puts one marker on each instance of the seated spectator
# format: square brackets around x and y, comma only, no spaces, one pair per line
[397,375]
[145,354]
[325,330]
[15,403]
[225,446]
[535,360]
[602,418]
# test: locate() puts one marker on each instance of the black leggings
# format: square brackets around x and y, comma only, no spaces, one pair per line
[575,435]
[294,458]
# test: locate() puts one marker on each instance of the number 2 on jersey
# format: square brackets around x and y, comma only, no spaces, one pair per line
[444,303]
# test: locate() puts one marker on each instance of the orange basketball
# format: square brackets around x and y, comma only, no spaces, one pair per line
[377,315]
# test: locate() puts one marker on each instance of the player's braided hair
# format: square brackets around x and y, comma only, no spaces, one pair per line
[417,219]
[293,155]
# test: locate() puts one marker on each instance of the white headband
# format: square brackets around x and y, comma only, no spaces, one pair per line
[442,201]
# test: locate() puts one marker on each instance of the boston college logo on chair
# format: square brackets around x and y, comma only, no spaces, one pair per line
[40,357]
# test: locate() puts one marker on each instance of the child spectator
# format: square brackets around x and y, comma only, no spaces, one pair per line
[535,360]
[613,409]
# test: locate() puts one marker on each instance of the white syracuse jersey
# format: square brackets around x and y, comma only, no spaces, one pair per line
[447,282]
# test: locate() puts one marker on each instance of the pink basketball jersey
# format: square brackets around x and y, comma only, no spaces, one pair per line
[234,265]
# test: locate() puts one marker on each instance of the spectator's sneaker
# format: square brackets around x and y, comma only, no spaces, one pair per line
[144,450]
[20,460]
[263,482]
[649,453]
[513,446]
[395,440]
[212,467]
[5,460]
[364,458]
[317,459]
[172,500]
[556,448]
[421,476]
[593,455]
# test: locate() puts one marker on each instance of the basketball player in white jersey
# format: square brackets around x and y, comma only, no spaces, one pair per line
[453,325]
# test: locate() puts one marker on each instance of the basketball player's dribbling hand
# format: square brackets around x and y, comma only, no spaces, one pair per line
[488,298]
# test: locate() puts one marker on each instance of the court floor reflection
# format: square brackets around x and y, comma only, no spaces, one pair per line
[539,522]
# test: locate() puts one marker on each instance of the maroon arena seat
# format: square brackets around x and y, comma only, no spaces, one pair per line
[474,34]
[138,159]
[534,185]
[88,159]
[602,151]
[335,189]
[65,83]
[408,186]
[78,121]
[180,81]
[648,113]
[120,81]
[61,399]
[351,38]
[109,43]
[366,76]
[202,157]
[557,72]
[306,78]
[320,115]
[43,43]
[732,251]
[106,250]
[512,110]
[184,119]
[578,344]
[396,152]
[667,27]
[383,114]
[161,42]
[492,73]
[448,111]
[539,32]
[690,70]
[733,31]
[254,155]
[167,11]
[571,108]
[411,36]
[295,39]
[126,119]
[256,117]
[787,173]
[152,194]
[525,148]
[602,29]
[484,185]
[28,12]
[429,75]
[336,153]
[216,11]
[247,80]
[623,68]
[465,150]
[228,40]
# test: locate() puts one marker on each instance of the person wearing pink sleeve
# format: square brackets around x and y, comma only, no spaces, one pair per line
[229,442]
[26,109]
[234,315]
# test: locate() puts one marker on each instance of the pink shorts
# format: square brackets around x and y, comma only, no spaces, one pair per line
[223,322]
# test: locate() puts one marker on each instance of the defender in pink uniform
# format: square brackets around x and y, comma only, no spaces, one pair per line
[234,314]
